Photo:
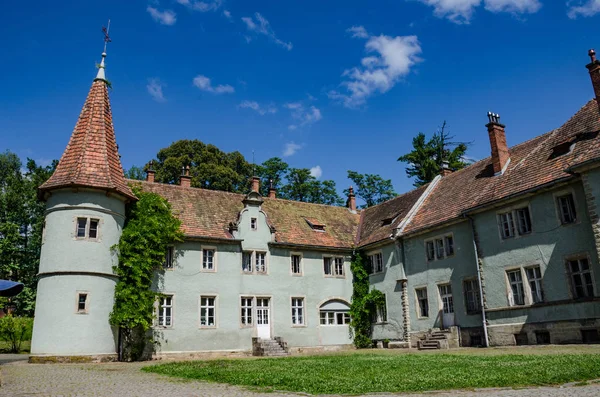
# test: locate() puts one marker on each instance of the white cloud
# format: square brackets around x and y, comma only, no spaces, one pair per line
[155,89]
[584,9]
[358,32]
[227,14]
[316,171]
[392,58]
[290,149]
[202,6]
[260,25]
[203,83]
[461,11]
[260,109]
[303,115]
[166,17]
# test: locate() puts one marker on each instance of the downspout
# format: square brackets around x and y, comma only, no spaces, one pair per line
[481,301]
[405,302]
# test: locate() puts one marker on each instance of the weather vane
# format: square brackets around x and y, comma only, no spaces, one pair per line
[107,38]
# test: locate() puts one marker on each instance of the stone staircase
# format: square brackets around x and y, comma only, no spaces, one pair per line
[434,340]
[275,347]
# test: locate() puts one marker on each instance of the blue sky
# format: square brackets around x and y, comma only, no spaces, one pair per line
[332,84]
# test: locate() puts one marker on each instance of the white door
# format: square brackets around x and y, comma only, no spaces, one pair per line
[447,305]
[263,318]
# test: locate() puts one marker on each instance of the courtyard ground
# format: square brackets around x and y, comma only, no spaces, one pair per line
[121,379]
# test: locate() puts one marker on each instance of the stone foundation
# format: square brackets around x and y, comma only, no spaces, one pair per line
[556,333]
[472,337]
[201,355]
[99,358]
[320,349]
[453,337]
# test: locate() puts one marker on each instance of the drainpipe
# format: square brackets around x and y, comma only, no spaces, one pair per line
[483,318]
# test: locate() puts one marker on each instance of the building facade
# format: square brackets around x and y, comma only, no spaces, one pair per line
[503,252]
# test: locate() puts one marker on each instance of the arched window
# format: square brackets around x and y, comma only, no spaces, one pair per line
[334,312]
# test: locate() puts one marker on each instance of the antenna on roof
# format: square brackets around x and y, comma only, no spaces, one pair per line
[101,75]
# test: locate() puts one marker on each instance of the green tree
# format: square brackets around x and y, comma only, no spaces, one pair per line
[21,225]
[150,228]
[210,167]
[302,186]
[371,188]
[135,172]
[427,157]
[273,169]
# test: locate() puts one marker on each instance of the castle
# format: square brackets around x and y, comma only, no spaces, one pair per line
[503,252]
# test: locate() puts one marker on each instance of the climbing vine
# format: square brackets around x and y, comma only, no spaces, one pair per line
[149,229]
[364,302]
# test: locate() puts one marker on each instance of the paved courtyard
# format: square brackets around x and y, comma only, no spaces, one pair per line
[120,380]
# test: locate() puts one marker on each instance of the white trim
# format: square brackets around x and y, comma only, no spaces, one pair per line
[215,308]
[300,264]
[214,258]
[304,317]
[503,168]
[416,207]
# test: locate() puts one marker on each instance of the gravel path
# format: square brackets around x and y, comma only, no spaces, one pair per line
[126,380]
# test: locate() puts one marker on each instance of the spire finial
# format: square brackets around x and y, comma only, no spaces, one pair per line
[101,75]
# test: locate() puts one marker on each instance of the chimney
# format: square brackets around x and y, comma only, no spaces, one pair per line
[445,170]
[594,68]
[351,203]
[500,155]
[255,184]
[150,172]
[272,191]
[185,179]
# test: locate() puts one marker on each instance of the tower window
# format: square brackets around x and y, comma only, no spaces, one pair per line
[82,302]
[253,224]
[87,228]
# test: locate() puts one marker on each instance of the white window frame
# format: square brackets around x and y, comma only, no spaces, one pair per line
[262,265]
[250,256]
[570,275]
[446,306]
[537,297]
[510,217]
[86,232]
[572,211]
[511,292]
[160,305]
[202,259]
[298,311]
[432,243]
[330,318]
[418,301]
[476,296]
[300,271]
[207,307]
[247,311]
[254,256]
[333,268]
[86,308]
[376,260]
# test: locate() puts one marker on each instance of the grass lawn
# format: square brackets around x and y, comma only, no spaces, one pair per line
[375,371]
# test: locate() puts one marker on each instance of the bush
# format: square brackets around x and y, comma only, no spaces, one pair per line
[15,330]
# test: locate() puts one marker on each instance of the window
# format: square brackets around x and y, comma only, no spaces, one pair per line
[165,311]
[582,284]
[246,306]
[82,303]
[298,311]
[376,262]
[447,299]
[439,247]
[334,312]
[566,209]
[261,262]
[430,250]
[168,263]
[423,302]
[208,259]
[87,228]
[449,243]
[516,296]
[534,278]
[524,220]
[507,226]
[253,224]
[472,297]
[327,318]
[542,337]
[247,262]
[381,312]
[207,311]
[295,259]
[333,266]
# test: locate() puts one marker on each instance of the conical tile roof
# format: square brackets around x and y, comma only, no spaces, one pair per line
[91,158]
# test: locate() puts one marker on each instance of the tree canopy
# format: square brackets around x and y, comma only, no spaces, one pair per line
[371,188]
[21,225]
[428,156]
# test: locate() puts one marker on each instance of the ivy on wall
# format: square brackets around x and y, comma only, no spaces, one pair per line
[364,302]
[149,229]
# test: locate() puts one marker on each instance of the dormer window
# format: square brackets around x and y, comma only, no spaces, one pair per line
[315,224]
[253,224]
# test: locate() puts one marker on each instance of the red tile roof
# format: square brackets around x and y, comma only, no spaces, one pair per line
[91,158]
[532,165]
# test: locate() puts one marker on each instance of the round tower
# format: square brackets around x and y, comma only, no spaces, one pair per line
[85,212]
